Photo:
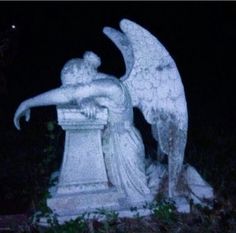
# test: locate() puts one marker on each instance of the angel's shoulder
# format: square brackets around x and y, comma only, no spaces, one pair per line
[101,75]
[108,80]
[111,84]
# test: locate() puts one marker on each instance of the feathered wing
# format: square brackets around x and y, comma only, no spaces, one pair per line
[124,45]
[156,89]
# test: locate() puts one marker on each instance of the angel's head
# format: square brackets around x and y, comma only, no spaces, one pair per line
[78,70]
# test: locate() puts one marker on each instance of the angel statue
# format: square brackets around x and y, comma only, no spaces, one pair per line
[151,83]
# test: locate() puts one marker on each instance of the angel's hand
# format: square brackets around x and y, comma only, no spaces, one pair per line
[22,110]
[89,108]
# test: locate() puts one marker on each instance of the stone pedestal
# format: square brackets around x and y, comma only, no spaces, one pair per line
[83,167]
[83,182]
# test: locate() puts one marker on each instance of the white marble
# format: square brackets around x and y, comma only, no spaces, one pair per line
[199,189]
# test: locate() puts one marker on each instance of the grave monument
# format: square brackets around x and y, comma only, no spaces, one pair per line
[104,164]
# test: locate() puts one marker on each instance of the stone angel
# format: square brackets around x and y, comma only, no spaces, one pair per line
[151,83]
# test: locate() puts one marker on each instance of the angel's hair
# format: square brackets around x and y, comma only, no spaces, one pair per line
[69,72]
[78,70]
[92,59]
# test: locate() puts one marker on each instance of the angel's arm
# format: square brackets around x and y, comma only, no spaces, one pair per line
[64,95]
[109,88]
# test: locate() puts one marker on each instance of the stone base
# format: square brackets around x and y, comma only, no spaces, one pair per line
[68,205]
[89,204]
[181,204]
[78,203]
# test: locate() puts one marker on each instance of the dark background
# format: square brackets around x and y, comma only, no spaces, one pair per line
[200,37]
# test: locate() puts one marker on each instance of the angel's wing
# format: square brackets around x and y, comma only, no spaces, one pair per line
[156,89]
[151,74]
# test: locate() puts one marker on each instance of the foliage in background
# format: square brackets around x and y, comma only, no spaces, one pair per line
[26,167]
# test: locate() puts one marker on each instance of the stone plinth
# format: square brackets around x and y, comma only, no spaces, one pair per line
[83,167]
[83,182]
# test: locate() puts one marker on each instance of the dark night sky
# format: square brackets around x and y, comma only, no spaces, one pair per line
[199,36]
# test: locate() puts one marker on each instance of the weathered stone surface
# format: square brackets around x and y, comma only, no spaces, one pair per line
[182,204]
[83,168]
[157,174]
[200,190]
[78,203]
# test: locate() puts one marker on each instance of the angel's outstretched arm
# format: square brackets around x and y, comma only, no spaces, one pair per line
[62,95]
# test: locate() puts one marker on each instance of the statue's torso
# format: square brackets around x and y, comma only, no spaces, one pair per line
[120,110]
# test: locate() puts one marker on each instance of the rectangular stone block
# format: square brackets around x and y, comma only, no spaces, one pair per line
[75,204]
[83,167]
